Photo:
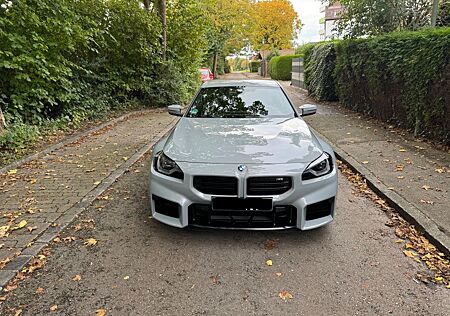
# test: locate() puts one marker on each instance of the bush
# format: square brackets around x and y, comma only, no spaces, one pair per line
[401,78]
[280,67]
[319,63]
[254,65]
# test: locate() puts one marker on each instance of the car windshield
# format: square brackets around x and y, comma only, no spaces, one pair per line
[241,102]
[204,72]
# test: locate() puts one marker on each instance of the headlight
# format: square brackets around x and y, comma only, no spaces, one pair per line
[167,166]
[319,167]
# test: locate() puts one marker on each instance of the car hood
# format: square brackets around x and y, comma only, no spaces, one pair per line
[242,141]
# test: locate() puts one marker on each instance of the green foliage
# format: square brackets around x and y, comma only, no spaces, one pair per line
[80,59]
[301,50]
[17,138]
[280,67]
[402,78]
[319,63]
[369,17]
[254,65]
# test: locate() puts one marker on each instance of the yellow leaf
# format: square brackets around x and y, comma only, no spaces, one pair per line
[96,182]
[448,286]
[439,170]
[100,312]
[18,312]
[426,187]
[90,242]
[285,295]
[54,307]
[439,279]
[365,162]
[409,253]
[278,274]
[12,171]
[4,230]
[402,150]
[77,278]
[126,277]
[269,263]
[22,224]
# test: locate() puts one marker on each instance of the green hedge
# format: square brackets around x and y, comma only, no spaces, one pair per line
[319,62]
[280,67]
[254,65]
[401,78]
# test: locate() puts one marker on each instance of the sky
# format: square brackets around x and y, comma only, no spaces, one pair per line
[309,13]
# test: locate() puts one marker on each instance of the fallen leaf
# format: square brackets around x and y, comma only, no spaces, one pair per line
[439,278]
[30,229]
[365,162]
[4,230]
[439,170]
[40,290]
[90,242]
[270,244]
[215,279]
[278,274]
[57,240]
[402,150]
[426,202]
[18,312]
[126,277]
[100,312]
[96,182]
[269,263]
[400,177]
[54,307]
[399,167]
[409,254]
[426,187]
[69,239]
[76,278]
[21,224]
[285,295]
[12,171]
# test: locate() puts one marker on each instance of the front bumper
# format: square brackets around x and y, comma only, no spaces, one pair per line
[299,197]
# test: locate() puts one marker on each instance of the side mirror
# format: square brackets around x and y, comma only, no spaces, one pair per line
[308,109]
[175,109]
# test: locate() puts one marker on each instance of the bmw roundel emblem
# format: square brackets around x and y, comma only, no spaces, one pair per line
[241,168]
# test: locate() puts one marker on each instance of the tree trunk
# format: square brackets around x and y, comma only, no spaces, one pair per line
[434,13]
[147,4]
[215,65]
[161,4]
[2,122]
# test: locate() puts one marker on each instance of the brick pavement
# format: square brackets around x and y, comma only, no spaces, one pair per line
[38,194]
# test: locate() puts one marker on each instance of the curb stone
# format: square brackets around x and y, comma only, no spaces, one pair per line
[410,212]
[27,254]
[67,141]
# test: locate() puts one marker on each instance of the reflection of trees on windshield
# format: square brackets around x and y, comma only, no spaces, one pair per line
[225,102]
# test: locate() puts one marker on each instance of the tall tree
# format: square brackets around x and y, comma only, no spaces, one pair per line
[227,24]
[161,7]
[375,17]
[276,24]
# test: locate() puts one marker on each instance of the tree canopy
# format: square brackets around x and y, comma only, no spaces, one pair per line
[376,17]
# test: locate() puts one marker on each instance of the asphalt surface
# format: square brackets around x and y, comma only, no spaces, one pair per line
[142,267]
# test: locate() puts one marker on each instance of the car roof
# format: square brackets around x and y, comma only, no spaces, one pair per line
[240,83]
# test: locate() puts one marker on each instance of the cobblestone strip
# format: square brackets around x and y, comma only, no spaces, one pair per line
[43,196]
[65,142]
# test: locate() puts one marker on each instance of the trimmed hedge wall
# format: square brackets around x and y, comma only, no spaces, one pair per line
[280,67]
[254,65]
[319,64]
[402,78]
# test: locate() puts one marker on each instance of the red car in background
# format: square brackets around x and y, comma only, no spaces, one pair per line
[206,74]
